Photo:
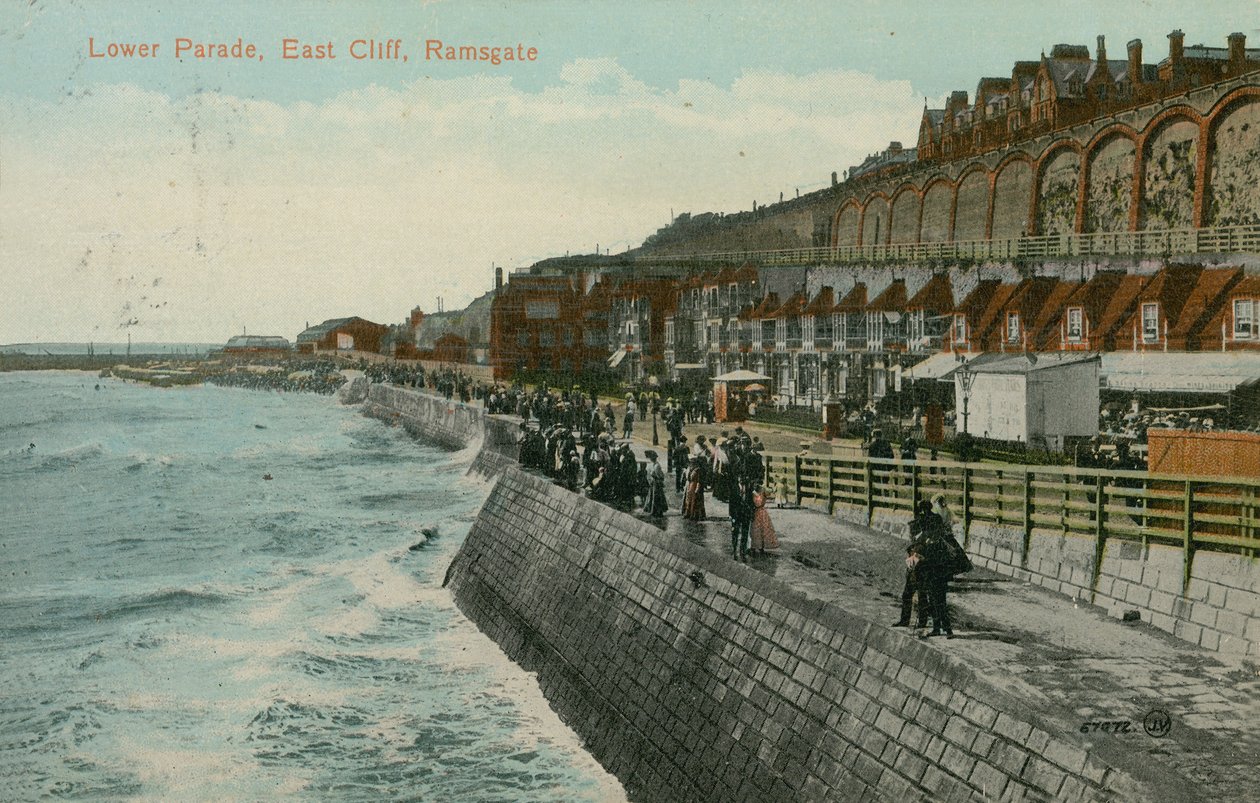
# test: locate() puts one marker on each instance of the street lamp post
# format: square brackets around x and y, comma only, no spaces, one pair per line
[966,377]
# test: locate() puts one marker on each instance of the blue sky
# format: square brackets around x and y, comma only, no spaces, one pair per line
[190,200]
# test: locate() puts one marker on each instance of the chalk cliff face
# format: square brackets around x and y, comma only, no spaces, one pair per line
[1169,180]
[1060,183]
[1234,165]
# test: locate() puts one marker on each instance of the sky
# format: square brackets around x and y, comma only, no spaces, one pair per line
[191,199]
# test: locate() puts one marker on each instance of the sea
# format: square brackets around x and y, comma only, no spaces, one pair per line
[224,594]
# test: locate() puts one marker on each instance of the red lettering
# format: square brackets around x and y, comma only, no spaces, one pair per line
[432,47]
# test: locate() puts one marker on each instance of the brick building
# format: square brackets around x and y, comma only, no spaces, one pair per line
[1068,87]
[537,323]
[343,334]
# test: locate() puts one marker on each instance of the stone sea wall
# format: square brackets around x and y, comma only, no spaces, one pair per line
[694,678]
[451,424]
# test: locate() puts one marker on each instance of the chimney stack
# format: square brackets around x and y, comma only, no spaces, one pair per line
[1135,63]
[1237,52]
[1176,47]
[1102,49]
[834,181]
[498,279]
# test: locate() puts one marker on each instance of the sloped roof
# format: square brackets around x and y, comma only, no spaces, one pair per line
[793,306]
[1204,300]
[935,296]
[893,299]
[1044,325]
[257,342]
[318,331]
[991,315]
[1029,363]
[1119,305]
[1246,287]
[766,308]
[854,300]
[822,303]
[1184,372]
[1171,287]
[978,299]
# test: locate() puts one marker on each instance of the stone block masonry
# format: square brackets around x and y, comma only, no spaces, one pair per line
[694,678]
[451,424]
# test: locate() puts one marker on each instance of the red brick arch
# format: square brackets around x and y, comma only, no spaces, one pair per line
[1048,154]
[866,203]
[939,178]
[1101,138]
[974,167]
[1166,117]
[1224,104]
[835,220]
[1207,143]
[905,188]
[1007,161]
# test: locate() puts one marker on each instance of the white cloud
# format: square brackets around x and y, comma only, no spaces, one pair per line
[257,214]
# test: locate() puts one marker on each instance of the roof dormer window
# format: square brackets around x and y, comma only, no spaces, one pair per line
[1150,323]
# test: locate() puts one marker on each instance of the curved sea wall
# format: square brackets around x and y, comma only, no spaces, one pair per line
[451,424]
[694,678]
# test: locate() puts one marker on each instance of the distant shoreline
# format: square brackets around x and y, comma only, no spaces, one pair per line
[83,362]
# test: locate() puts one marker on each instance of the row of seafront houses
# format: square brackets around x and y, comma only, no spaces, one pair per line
[855,343]
[1185,332]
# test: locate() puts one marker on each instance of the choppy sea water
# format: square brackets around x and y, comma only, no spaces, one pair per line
[175,626]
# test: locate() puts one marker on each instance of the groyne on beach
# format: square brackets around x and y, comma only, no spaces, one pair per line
[694,678]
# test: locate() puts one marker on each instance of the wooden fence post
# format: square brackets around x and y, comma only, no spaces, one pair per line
[831,486]
[1187,536]
[914,485]
[1100,533]
[870,492]
[966,507]
[1027,534]
[798,480]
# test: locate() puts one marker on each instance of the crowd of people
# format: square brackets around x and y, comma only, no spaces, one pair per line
[572,439]
[304,376]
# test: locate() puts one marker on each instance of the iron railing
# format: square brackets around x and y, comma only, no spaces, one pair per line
[1166,242]
[1194,513]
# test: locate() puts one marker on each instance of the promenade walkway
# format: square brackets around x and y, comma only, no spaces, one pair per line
[1077,668]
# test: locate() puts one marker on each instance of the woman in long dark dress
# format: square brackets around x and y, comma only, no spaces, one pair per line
[655,504]
[693,500]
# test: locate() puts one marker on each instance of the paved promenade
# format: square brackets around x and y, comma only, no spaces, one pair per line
[1078,669]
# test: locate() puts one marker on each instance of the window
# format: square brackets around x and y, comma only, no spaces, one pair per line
[546,338]
[1075,324]
[1012,327]
[1150,323]
[542,310]
[1245,318]
[960,328]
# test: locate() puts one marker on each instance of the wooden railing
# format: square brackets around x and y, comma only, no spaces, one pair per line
[1194,513]
[1166,242]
